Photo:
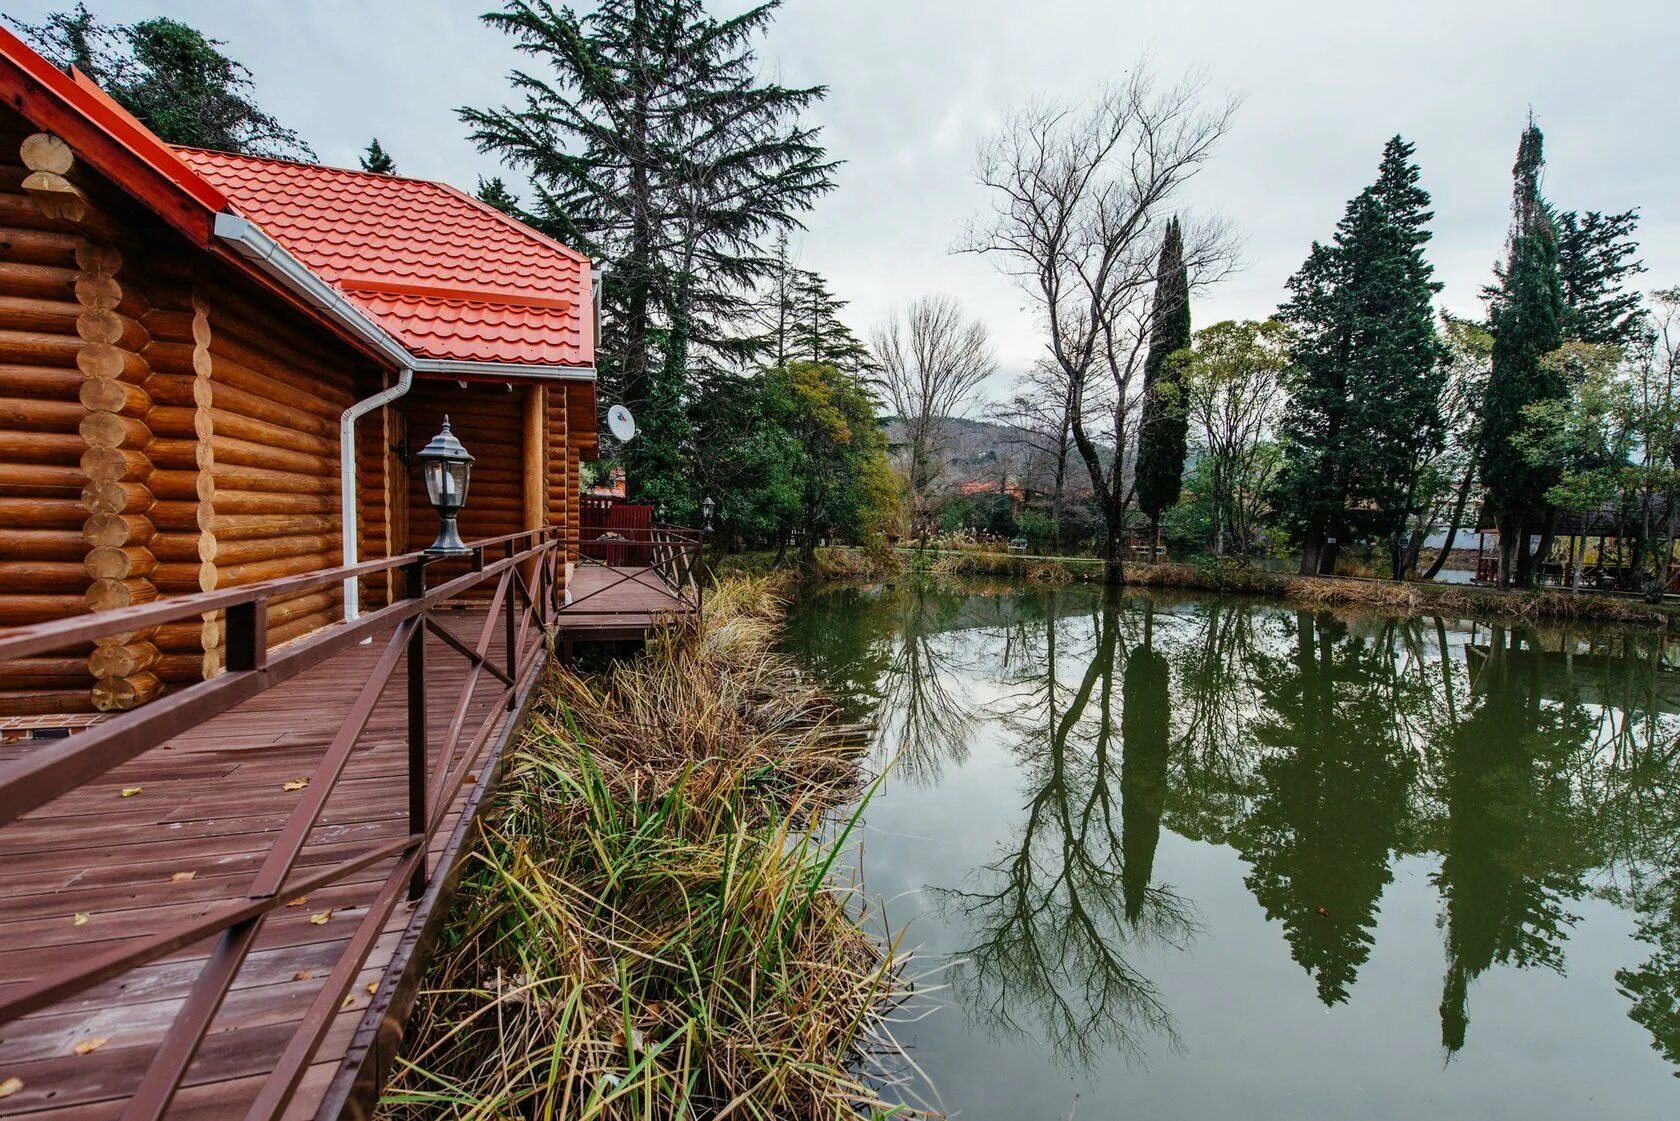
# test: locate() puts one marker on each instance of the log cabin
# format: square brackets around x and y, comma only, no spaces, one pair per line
[215,370]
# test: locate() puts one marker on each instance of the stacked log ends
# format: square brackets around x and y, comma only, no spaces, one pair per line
[119,561]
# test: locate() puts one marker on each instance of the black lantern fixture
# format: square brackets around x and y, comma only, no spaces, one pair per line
[706,508]
[447,469]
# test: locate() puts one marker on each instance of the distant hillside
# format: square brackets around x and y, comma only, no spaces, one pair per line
[988,451]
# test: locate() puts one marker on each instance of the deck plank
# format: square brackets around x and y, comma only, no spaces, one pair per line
[212,803]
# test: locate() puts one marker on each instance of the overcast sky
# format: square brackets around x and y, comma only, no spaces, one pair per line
[913,84]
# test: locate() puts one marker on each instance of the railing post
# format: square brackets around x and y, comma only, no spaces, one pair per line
[415,586]
[510,623]
[246,638]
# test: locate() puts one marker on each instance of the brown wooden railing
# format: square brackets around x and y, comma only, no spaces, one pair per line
[670,553]
[525,574]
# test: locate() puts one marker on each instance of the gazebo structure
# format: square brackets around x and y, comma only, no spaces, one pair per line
[1595,549]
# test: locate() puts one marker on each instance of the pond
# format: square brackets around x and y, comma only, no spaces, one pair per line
[1169,857]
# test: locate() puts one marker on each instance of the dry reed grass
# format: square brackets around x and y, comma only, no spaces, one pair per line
[650,928]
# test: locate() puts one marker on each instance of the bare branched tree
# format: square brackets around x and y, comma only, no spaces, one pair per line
[931,359]
[1039,418]
[1081,200]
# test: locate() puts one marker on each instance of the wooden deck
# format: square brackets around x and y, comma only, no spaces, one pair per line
[95,867]
[616,604]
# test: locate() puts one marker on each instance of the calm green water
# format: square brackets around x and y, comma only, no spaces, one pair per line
[1203,858]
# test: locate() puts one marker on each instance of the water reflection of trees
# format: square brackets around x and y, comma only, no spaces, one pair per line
[1539,766]
[1333,784]
[1056,920]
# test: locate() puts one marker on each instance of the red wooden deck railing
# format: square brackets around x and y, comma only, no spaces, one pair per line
[659,556]
[523,571]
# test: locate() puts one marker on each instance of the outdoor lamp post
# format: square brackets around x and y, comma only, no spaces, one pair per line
[706,508]
[447,468]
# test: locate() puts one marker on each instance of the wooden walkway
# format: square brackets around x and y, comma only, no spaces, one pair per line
[180,830]
[615,604]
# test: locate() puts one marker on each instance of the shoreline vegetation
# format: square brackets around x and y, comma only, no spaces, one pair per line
[651,924]
[1317,592]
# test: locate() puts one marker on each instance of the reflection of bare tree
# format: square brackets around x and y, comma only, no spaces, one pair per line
[1216,704]
[1053,922]
[928,725]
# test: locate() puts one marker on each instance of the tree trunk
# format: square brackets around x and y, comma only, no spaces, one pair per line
[1154,536]
[1114,559]
[1312,552]
[1459,503]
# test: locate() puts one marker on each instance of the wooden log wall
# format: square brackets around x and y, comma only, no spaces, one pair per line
[43,554]
[562,506]
[166,427]
[374,463]
[268,458]
[488,418]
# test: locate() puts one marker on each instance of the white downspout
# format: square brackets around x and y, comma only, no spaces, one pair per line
[347,477]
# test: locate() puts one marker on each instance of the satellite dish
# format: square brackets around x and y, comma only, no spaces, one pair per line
[623,425]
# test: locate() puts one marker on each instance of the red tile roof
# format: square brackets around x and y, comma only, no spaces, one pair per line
[446,275]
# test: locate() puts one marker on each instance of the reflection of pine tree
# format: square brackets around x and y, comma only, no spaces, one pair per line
[1502,881]
[1145,726]
[1334,798]
[1654,987]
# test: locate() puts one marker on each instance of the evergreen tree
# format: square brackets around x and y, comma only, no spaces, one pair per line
[797,318]
[654,143]
[1365,404]
[1596,257]
[1528,314]
[376,159]
[170,76]
[494,192]
[1164,427]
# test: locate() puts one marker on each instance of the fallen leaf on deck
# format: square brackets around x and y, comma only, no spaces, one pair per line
[303,975]
[373,987]
[472,777]
[182,877]
[299,901]
[295,784]
[319,918]
[131,791]
[10,1086]
[91,1044]
[80,919]
[349,1002]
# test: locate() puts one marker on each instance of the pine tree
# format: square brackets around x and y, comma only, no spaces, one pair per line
[494,192]
[655,144]
[1528,313]
[1365,404]
[1596,257]
[170,76]
[376,159]
[1164,427]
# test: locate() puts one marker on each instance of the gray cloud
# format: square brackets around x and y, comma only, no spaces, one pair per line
[914,85]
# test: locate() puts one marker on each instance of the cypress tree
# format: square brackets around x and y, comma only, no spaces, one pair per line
[1370,368]
[376,159]
[1528,313]
[1163,428]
